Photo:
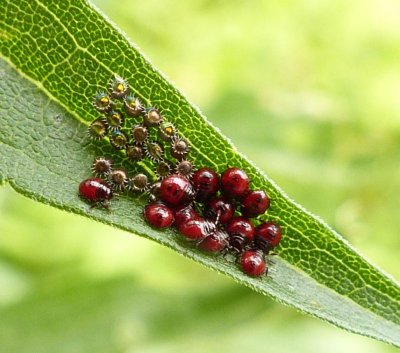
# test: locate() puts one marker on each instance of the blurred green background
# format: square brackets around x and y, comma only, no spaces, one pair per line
[309,90]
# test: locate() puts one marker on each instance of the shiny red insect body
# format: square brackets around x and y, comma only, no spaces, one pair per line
[95,190]
[253,263]
[255,203]
[176,190]
[185,214]
[234,182]
[194,230]
[241,232]
[158,215]
[215,242]
[205,182]
[220,210]
[267,236]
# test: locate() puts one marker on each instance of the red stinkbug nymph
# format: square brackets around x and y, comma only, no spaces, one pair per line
[267,236]
[185,214]
[253,263]
[241,232]
[158,215]
[200,204]
[215,242]
[194,230]
[219,210]
[176,190]
[205,182]
[96,191]
[234,182]
[255,203]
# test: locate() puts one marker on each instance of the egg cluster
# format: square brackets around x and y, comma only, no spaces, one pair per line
[139,131]
[211,211]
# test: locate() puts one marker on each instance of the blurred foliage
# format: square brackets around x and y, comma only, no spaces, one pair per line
[309,91]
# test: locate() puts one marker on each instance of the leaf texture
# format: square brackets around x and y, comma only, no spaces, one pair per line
[56,55]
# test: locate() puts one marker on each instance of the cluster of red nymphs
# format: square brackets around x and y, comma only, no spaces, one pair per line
[214,212]
[209,210]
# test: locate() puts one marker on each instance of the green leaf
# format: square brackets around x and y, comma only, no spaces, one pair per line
[56,55]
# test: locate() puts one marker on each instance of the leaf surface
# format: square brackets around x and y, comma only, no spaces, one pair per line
[56,55]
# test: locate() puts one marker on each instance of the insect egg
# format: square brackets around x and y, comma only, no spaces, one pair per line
[132,105]
[179,148]
[139,134]
[101,166]
[102,102]
[154,151]
[118,179]
[163,169]
[115,120]
[185,168]
[155,191]
[134,153]
[119,87]
[152,117]
[118,140]
[97,129]
[167,131]
[139,182]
